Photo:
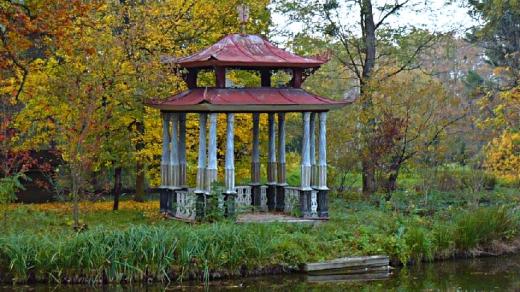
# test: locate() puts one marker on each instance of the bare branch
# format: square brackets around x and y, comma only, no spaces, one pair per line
[392,11]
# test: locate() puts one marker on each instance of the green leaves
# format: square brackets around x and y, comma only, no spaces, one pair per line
[9,186]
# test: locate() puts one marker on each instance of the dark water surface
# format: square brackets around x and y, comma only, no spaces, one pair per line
[483,274]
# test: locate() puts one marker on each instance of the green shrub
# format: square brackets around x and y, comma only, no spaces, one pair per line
[482,225]
[490,182]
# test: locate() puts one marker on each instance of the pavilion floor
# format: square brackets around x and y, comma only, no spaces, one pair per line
[268,217]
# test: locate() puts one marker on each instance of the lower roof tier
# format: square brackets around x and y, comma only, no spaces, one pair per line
[264,99]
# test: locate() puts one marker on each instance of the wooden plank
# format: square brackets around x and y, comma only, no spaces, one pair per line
[347,278]
[348,262]
[352,270]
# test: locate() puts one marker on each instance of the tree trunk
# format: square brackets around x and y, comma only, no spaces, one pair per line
[117,187]
[139,168]
[369,35]
[391,180]
[75,199]
[368,176]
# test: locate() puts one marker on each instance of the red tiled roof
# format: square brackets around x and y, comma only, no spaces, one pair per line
[245,51]
[246,100]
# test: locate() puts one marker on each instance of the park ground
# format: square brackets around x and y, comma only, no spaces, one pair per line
[136,243]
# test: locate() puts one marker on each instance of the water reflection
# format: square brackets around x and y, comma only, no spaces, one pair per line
[502,273]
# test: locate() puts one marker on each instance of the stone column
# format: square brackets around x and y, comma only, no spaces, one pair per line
[312,149]
[323,208]
[255,163]
[211,174]
[305,187]
[182,151]
[282,181]
[165,163]
[230,192]
[174,152]
[174,161]
[201,168]
[271,164]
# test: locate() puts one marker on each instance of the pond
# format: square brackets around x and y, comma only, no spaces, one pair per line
[490,273]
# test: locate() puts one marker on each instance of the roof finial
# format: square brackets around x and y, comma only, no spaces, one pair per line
[243,16]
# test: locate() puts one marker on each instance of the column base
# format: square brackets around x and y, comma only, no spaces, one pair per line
[200,206]
[305,203]
[163,200]
[323,203]
[271,197]
[280,197]
[256,196]
[229,205]
[172,202]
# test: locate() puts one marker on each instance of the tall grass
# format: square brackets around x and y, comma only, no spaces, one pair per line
[145,252]
[168,252]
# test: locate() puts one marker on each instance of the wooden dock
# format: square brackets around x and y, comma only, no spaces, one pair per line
[349,265]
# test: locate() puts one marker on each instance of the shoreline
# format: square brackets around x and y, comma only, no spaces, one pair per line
[495,249]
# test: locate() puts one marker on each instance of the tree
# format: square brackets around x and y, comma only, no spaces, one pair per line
[365,47]
[499,36]
[28,31]
[67,94]
[147,32]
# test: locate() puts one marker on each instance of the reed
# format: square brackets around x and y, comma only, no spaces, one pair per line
[168,251]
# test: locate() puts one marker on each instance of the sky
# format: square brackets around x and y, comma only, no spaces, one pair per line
[437,16]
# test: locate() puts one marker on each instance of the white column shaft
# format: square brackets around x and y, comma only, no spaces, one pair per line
[322,163]
[255,159]
[174,151]
[281,149]
[211,174]
[201,169]
[182,150]
[271,166]
[165,158]
[230,154]
[306,159]
[312,149]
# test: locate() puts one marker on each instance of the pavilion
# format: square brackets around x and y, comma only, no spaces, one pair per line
[245,52]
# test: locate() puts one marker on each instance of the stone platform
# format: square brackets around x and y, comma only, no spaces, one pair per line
[274,217]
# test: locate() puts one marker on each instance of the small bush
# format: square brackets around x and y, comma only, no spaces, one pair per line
[482,225]
[490,182]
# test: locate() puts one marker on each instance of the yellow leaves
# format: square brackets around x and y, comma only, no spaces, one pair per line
[503,156]
[505,108]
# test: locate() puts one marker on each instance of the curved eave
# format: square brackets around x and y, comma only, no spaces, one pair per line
[240,108]
[273,65]
[262,99]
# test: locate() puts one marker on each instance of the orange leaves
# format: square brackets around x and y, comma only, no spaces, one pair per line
[149,208]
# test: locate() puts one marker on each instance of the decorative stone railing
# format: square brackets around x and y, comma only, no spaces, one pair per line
[186,200]
[292,199]
[185,205]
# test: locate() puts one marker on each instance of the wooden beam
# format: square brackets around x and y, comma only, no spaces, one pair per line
[265,76]
[220,75]
[297,78]
[191,78]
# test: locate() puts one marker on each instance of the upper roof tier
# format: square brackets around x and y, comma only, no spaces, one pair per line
[245,51]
